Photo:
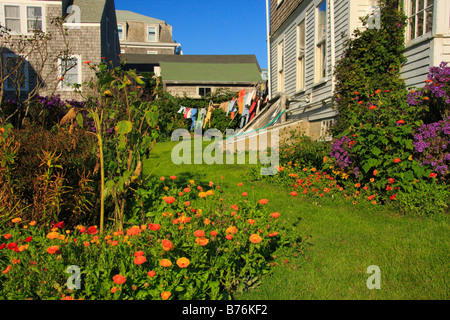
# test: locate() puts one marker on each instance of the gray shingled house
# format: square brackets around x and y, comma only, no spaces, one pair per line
[140,34]
[91,33]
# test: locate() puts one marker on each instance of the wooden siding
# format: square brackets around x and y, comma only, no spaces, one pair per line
[415,70]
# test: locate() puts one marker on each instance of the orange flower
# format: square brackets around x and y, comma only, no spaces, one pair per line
[134,230]
[275,215]
[87,62]
[7,269]
[7,236]
[263,201]
[183,262]
[375,172]
[372,107]
[167,245]
[293,193]
[251,221]
[165,295]
[235,207]
[254,238]
[53,250]
[209,193]
[138,253]
[397,160]
[113,289]
[213,233]
[165,263]
[53,235]
[32,223]
[151,274]
[162,178]
[199,233]
[231,229]
[377,91]
[229,237]
[16,220]
[202,194]
[173,177]
[240,184]
[169,200]
[202,241]
[154,226]
[140,260]
[119,279]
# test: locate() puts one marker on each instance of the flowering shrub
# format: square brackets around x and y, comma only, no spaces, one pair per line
[195,247]
[431,145]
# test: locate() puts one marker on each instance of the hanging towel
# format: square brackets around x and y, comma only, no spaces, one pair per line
[187,114]
[193,113]
[200,119]
[241,100]
[182,109]
[208,115]
[244,117]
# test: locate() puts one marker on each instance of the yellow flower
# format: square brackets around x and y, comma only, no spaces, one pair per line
[183,262]
[202,194]
[192,182]
[209,193]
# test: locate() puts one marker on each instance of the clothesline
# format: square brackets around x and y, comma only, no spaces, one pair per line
[245,103]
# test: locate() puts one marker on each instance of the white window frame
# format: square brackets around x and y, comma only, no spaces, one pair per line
[78,67]
[415,15]
[325,126]
[26,71]
[23,16]
[122,32]
[301,57]
[156,27]
[280,66]
[321,45]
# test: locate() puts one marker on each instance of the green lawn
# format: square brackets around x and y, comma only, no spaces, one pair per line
[412,253]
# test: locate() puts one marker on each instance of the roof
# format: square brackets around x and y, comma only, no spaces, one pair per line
[90,10]
[126,15]
[185,72]
[156,59]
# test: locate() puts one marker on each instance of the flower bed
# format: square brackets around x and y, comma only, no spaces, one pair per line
[192,246]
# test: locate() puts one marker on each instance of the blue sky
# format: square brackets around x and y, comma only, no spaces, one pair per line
[210,26]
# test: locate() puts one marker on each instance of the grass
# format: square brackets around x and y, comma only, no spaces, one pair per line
[344,240]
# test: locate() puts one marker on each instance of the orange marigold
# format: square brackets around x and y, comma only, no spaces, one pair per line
[254,238]
[167,245]
[53,249]
[165,263]
[263,201]
[165,295]
[119,279]
[183,262]
[202,241]
[140,260]
[199,233]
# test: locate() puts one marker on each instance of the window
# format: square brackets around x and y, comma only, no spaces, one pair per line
[120,31]
[23,18]
[204,91]
[321,36]
[280,61]
[69,72]
[325,129]
[12,18]
[420,18]
[34,19]
[151,34]
[17,68]
[301,36]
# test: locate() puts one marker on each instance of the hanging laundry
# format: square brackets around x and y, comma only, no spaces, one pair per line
[208,115]
[187,113]
[241,100]
[252,110]
[182,109]
[244,116]
[223,106]
[193,113]
[200,119]
[231,106]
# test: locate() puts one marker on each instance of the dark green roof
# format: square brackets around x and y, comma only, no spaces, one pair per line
[183,72]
